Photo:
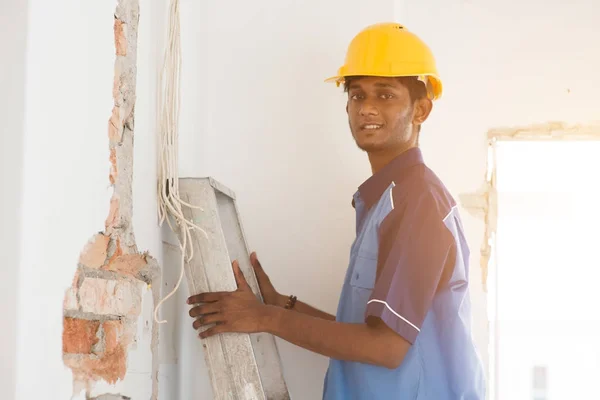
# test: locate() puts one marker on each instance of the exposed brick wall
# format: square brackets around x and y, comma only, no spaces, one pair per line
[103,304]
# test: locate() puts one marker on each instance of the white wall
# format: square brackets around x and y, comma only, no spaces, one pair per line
[257,116]
[69,79]
[151,33]
[69,75]
[503,64]
[502,70]
[145,220]
[13,19]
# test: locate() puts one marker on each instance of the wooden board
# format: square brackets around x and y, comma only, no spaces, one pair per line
[241,366]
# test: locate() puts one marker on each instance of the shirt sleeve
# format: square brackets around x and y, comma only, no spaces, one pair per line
[416,254]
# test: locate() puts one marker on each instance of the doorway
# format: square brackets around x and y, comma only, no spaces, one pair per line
[544,277]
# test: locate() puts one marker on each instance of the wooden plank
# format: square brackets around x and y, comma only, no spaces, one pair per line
[241,366]
[264,345]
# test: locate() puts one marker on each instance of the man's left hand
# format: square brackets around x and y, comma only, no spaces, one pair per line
[238,311]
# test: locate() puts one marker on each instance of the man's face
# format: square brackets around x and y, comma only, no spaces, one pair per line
[380,113]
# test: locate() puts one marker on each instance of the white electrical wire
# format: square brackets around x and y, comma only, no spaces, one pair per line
[170,203]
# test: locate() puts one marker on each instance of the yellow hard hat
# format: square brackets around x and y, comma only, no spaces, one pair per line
[390,50]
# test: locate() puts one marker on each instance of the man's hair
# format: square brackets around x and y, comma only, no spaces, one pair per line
[416,89]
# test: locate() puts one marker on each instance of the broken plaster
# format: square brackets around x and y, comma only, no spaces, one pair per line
[112,257]
[483,203]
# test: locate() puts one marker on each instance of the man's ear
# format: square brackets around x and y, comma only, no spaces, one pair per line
[422,110]
[346,107]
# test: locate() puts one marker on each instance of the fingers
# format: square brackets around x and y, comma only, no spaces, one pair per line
[208,297]
[215,330]
[207,308]
[239,276]
[261,275]
[254,260]
[207,320]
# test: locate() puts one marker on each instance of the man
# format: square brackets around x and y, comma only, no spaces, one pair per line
[402,329]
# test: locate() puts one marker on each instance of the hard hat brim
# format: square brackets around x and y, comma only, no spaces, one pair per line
[338,80]
[434,80]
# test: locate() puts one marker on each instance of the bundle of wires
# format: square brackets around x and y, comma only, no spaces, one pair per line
[170,204]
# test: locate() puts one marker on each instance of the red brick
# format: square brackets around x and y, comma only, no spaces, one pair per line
[118,251]
[70,300]
[120,40]
[129,264]
[113,332]
[79,335]
[111,364]
[110,367]
[94,252]
[110,297]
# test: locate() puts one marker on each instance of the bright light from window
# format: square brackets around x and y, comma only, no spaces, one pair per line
[548,268]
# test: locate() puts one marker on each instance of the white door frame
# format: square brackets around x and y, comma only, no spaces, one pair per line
[483,203]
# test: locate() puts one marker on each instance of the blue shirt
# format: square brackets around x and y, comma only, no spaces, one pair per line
[409,266]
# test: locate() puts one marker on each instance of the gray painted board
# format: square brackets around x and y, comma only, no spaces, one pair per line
[241,366]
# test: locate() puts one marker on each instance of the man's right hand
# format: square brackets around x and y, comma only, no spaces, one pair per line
[270,295]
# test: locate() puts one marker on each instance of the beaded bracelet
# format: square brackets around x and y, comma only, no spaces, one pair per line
[291,302]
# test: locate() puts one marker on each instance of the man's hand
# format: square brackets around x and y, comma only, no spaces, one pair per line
[270,295]
[238,311]
[241,311]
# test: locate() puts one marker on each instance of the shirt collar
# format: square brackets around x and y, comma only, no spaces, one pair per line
[370,190]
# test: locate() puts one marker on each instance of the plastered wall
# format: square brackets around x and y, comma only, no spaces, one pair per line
[109,338]
[83,296]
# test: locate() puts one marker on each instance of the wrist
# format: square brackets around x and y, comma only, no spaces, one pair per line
[272,319]
[281,300]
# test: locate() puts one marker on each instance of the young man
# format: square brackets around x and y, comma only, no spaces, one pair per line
[402,329]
